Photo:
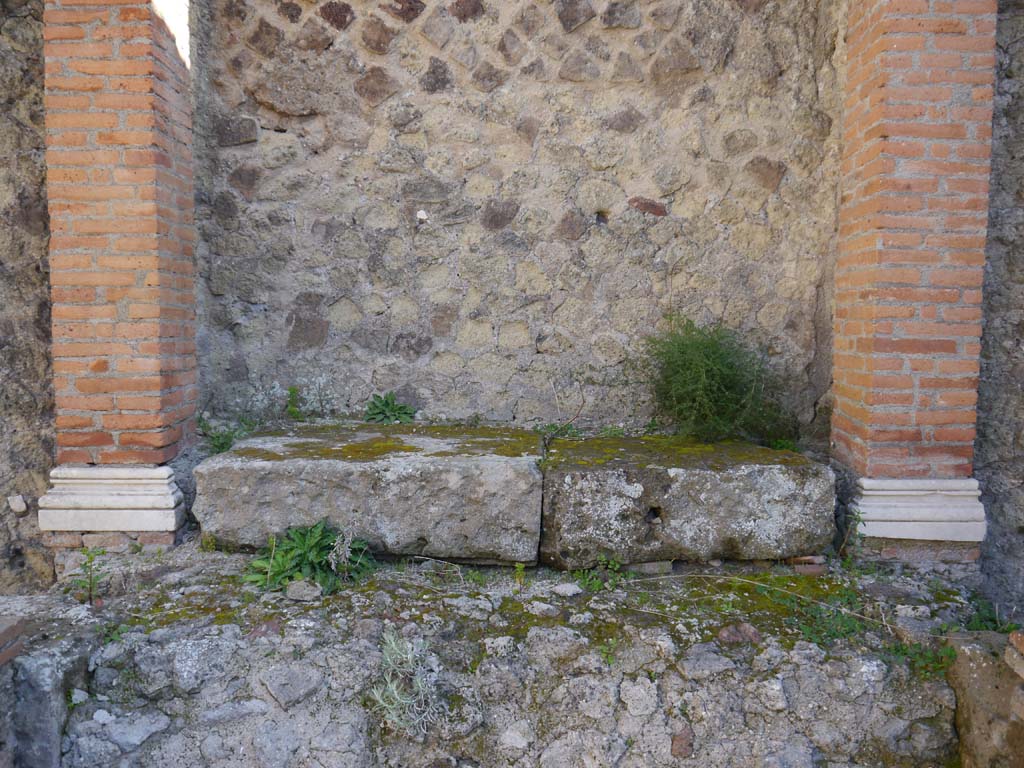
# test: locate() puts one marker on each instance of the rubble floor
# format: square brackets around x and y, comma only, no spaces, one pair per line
[184,663]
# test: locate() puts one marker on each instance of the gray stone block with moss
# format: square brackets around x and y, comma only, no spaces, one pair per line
[493,495]
[471,494]
[659,498]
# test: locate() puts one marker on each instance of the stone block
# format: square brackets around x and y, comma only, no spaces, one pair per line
[655,498]
[1017,703]
[11,628]
[984,688]
[233,131]
[653,568]
[42,679]
[1015,659]
[338,15]
[437,491]
[111,542]
[574,13]
[1017,640]
[58,540]
[467,10]
[11,651]
[377,35]
[376,86]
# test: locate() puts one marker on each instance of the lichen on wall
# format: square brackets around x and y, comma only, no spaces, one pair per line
[486,206]
[26,399]
[999,462]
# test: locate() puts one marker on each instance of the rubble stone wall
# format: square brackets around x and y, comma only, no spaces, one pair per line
[26,398]
[486,206]
[1000,446]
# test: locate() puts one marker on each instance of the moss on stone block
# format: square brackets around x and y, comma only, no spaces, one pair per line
[349,441]
[665,451]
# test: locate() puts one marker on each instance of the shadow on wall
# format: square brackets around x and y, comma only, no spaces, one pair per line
[999,461]
[26,400]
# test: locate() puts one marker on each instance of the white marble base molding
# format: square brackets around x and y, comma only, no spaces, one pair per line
[920,508]
[112,499]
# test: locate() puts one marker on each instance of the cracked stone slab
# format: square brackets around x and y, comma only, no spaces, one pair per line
[655,498]
[291,683]
[470,494]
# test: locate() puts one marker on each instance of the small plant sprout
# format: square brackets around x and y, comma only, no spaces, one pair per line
[112,633]
[406,698]
[387,410]
[92,573]
[607,650]
[220,439]
[607,574]
[292,407]
[520,575]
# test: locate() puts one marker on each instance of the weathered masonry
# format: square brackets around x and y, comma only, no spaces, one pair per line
[471,201]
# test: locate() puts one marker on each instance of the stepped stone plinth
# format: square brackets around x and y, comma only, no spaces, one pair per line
[471,494]
[492,495]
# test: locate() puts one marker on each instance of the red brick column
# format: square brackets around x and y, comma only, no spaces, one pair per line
[119,165]
[913,214]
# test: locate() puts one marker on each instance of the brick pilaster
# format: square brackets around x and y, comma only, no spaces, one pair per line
[119,164]
[917,135]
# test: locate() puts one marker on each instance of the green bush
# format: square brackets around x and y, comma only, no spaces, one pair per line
[986,618]
[924,660]
[711,386]
[387,410]
[221,438]
[316,554]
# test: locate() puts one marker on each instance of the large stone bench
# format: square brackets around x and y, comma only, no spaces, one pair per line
[463,494]
[491,495]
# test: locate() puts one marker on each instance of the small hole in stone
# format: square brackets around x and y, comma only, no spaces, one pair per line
[602,217]
[654,513]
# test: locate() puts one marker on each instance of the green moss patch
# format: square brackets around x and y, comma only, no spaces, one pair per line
[370,442]
[370,449]
[665,451]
